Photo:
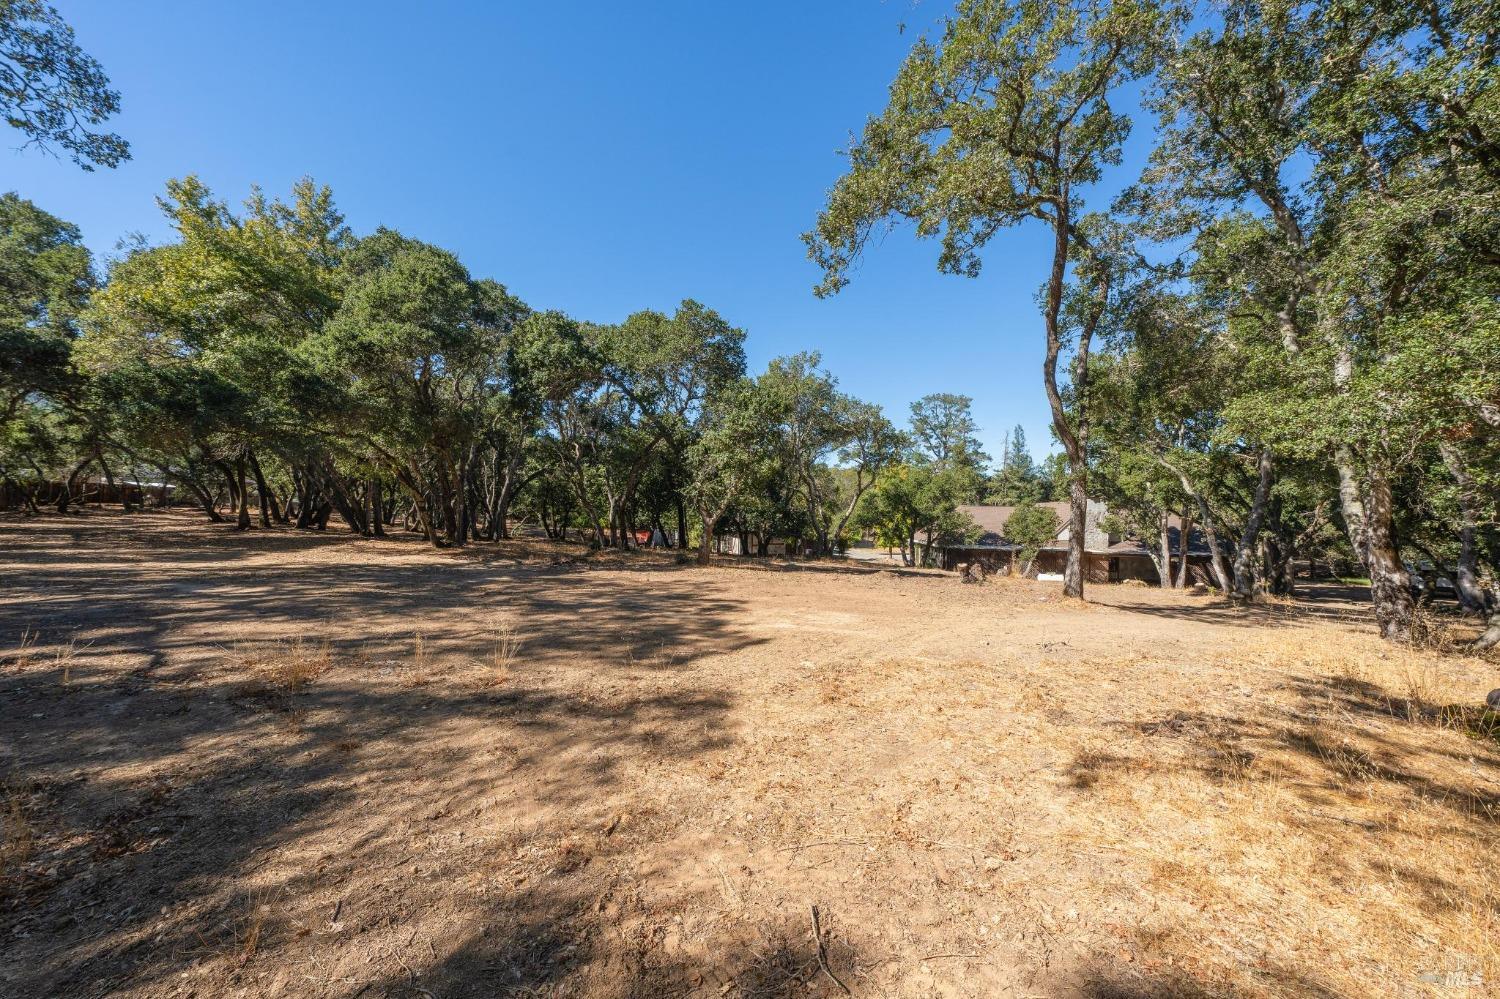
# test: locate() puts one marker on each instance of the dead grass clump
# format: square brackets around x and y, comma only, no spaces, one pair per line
[242,934]
[423,661]
[17,833]
[25,654]
[1228,761]
[280,672]
[504,649]
[64,659]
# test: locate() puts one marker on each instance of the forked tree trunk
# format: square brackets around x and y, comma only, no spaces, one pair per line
[1210,532]
[267,502]
[66,497]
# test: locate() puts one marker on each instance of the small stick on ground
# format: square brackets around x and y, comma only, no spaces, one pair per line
[823,955]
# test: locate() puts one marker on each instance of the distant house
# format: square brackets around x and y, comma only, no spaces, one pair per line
[749,543]
[1108,558]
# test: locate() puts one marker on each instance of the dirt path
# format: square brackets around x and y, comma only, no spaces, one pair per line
[285,764]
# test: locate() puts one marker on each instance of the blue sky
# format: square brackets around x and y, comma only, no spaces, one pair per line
[596,157]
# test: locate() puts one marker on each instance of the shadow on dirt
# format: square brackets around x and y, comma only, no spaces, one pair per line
[203,823]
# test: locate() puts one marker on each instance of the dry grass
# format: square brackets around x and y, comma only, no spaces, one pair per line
[17,833]
[500,658]
[25,654]
[277,672]
[985,790]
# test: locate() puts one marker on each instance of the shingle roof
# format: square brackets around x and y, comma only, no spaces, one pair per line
[992,520]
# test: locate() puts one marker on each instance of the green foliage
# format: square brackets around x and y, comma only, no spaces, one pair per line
[834,446]
[1031,528]
[45,280]
[51,90]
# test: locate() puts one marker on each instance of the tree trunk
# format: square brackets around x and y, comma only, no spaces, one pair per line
[262,492]
[1491,636]
[705,555]
[682,537]
[1244,577]
[1472,597]
[1184,531]
[210,508]
[1165,566]
[1351,505]
[377,509]
[66,497]
[1390,588]
[242,498]
[1210,532]
[109,483]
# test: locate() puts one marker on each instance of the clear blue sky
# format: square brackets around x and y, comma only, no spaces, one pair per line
[596,157]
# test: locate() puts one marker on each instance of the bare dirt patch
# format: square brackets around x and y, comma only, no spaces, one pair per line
[277,763]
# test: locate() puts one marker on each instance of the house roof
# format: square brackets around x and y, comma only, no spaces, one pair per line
[992,520]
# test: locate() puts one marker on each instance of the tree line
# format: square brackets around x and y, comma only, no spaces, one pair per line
[1286,329]
[276,369]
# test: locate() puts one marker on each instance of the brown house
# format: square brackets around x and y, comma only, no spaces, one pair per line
[1108,558]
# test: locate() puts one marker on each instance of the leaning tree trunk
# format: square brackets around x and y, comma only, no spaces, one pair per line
[66,497]
[1390,588]
[1210,532]
[1244,577]
[267,502]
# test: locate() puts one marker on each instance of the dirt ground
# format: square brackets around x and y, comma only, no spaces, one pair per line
[284,764]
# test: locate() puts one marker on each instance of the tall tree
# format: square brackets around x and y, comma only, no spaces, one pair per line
[1009,119]
[835,445]
[1347,143]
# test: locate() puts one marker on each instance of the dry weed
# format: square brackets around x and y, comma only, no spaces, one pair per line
[26,650]
[64,659]
[245,931]
[17,834]
[422,661]
[281,671]
[505,648]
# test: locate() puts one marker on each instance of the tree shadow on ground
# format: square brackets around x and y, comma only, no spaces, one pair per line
[192,807]
[1337,605]
[1346,780]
